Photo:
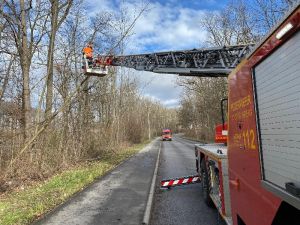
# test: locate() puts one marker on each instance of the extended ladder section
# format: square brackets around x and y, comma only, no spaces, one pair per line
[208,62]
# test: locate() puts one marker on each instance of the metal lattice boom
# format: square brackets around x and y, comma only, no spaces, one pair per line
[209,62]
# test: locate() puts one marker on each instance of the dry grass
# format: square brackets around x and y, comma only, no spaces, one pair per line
[24,205]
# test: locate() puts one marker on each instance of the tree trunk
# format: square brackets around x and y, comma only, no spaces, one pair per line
[25,64]
[85,118]
[55,24]
[6,78]
[49,94]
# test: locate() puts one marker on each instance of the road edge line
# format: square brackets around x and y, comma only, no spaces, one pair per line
[147,213]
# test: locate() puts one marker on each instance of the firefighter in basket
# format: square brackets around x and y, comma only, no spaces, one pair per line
[88,53]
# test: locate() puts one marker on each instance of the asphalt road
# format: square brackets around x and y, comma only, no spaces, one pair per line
[119,198]
[183,204]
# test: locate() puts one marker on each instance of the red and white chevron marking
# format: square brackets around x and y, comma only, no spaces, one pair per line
[179,181]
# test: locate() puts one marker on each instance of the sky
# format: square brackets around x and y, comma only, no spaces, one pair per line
[165,25]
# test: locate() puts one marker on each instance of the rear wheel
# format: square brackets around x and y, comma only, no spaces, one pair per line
[205,184]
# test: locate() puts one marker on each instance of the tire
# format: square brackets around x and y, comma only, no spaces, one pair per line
[205,185]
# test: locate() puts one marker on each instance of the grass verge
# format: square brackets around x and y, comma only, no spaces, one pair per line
[25,206]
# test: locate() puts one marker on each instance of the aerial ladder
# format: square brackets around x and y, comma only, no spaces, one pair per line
[205,62]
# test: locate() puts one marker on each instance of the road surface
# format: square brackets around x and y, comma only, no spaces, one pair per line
[120,197]
[184,204]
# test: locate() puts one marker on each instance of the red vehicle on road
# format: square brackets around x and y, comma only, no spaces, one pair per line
[166,135]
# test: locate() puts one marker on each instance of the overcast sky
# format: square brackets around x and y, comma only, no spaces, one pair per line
[166,25]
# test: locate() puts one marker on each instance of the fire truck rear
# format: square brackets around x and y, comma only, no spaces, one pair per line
[255,180]
[166,135]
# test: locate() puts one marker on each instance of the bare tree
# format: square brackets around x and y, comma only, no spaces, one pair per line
[6,77]
[243,22]
[27,26]
[87,119]
[266,13]
[200,106]
[230,26]
[58,13]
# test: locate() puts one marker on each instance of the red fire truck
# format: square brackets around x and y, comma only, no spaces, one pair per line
[252,173]
[166,135]
[255,180]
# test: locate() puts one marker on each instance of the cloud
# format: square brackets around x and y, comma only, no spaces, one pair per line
[171,103]
[164,26]
[97,6]
[159,87]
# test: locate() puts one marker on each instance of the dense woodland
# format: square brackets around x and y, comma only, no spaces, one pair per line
[53,117]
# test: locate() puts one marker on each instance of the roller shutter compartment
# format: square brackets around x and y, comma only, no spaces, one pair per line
[277,94]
